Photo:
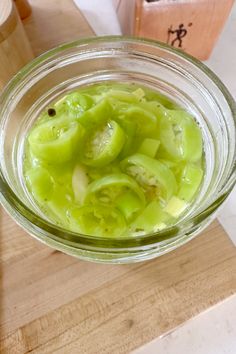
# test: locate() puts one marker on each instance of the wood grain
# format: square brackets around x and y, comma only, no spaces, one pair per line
[202,20]
[54,22]
[54,303]
[15,49]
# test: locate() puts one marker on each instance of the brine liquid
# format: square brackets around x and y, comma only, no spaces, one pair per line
[114,160]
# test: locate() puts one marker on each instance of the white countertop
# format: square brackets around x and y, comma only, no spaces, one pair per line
[223,63]
[212,332]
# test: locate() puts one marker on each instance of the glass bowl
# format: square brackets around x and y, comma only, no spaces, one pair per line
[180,77]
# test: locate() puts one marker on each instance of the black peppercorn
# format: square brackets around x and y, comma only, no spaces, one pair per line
[51,112]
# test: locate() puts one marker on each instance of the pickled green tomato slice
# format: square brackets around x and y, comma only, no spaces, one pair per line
[97,220]
[122,96]
[190,181]
[191,140]
[145,120]
[169,163]
[40,183]
[96,115]
[175,206]
[139,93]
[56,140]
[129,129]
[80,183]
[135,111]
[129,204]
[109,188]
[73,104]
[59,203]
[150,172]
[180,136]
[78,102]
[62,196]
[153,218]
[149,147]
[157,97]
[102,146]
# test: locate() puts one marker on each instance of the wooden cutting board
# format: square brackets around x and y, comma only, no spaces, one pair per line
[54,303]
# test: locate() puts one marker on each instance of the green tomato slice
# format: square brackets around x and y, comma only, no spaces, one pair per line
[40,183]
[175,206]
[97,221]
[97,115]
[170,164]
[153,218]
[78,102]
[191,178]
[73,104]
[180,136]
[102,146]
[145,120]
[56,140]
[123,96]
[156,97]
[59,203]
[80,183]
[156,177]
[129,128]
[149,147]
[129,204]
[191,148]
[109,188]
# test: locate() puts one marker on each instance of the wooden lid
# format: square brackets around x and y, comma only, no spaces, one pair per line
[8,19]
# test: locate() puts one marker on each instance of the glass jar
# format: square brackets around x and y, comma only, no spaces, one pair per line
[175,74]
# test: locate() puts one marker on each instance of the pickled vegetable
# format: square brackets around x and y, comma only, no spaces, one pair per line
[103,146]
[152,175]
[114,160]
[56,141]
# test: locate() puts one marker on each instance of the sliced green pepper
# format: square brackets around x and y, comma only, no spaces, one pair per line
[56,140]
[145,120]
[109,188]
[78,102]
[123,96]
[170,164]
[129,204]
[190,181]
[97,115]
[175,206]
[149,147]
[40,182]
[157,97]
[73,105]
[59,203]
[79,183]
[102,146]
[97,221]
[139,93]
[130,142]
[151,173]
[153,218]
[180,136]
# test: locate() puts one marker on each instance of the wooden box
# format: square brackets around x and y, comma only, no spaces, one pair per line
[15,50]
[191,25]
